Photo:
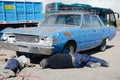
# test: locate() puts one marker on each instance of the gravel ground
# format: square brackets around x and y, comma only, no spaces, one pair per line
[111,55]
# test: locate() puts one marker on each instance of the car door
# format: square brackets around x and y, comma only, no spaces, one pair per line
[98,29]
[87,33]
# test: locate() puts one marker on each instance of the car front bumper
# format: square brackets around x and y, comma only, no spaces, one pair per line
[30,48]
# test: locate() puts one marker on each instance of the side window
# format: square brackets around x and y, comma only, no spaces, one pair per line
[86,21]
[96,22]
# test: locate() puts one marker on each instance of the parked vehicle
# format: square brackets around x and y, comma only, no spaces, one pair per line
[16,13]
[108,16]
[62,32]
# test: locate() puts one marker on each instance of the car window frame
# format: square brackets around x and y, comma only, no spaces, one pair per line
[83,19]
[100,21]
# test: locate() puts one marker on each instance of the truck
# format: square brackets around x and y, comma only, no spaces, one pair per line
[14,13]
[108,16]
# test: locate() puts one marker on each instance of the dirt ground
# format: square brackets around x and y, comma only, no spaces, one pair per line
[118,24]
[112,55]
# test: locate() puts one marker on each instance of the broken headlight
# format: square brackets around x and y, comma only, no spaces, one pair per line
[8,37]
[4,37]
[47,41]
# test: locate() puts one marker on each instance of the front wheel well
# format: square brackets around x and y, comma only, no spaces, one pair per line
[71,42]
[107,39]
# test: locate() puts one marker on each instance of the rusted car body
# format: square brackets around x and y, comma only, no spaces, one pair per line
[62,32]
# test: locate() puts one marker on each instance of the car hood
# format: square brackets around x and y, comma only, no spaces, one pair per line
[42,30]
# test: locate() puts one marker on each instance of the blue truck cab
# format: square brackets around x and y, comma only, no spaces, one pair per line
[61,32]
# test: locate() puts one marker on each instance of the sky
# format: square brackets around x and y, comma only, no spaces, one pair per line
[112,4]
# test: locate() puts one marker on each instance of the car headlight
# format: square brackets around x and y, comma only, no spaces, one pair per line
[5,37]
[8,37]
[36,39]
[47,41]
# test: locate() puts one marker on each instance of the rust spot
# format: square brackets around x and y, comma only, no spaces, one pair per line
[49,31]
[29,31]
[54,41]
[67,34]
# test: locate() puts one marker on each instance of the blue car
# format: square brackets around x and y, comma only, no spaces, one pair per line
[62,32]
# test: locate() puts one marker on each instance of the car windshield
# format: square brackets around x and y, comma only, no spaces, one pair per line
[63,19]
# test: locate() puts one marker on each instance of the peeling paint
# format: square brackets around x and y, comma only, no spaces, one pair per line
[54,41]
[29,31]
[67,34]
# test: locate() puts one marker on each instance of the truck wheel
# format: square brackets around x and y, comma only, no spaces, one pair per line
[103,45]
[69,48]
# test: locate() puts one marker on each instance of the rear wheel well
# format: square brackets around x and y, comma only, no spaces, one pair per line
[103,45]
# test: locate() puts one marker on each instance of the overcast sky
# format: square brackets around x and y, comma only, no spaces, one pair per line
[113,4]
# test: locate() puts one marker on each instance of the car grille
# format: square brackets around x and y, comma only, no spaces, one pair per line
[26,38]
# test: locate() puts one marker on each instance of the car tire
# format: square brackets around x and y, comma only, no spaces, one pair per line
[69,48]
[103,46]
